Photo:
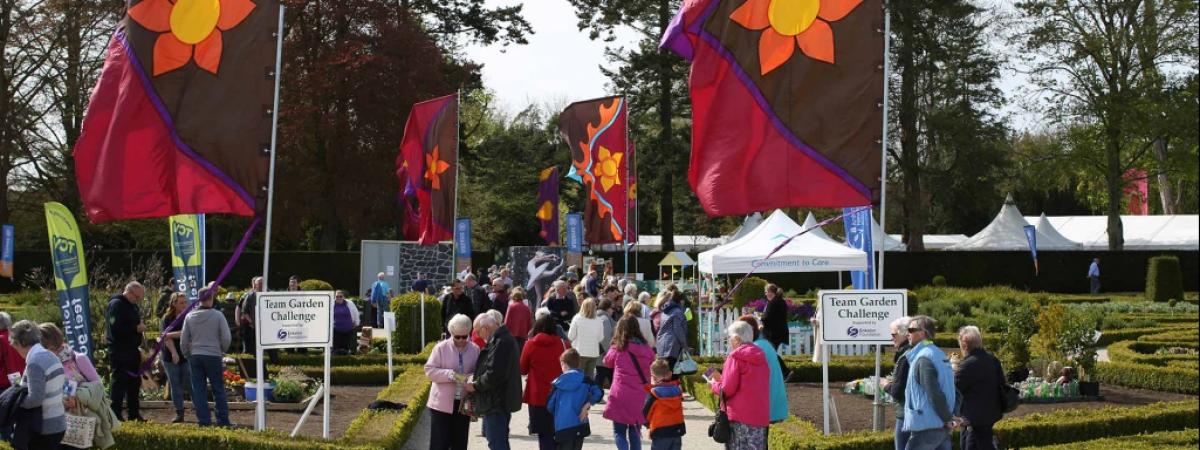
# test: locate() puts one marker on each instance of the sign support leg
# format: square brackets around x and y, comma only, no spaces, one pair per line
[877,407]
[260,407]
[326,388]
[825,385]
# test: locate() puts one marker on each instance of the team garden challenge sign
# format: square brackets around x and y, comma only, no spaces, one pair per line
[861,316]
[291,319]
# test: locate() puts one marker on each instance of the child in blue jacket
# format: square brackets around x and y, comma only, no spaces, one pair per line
[571,397]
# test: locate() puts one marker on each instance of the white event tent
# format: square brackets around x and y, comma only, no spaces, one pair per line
[1159,232]
[810,222]
[807,253]
[1007,233]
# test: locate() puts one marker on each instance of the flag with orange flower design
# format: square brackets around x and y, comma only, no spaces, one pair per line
[547,205]
[180,119]
[595,131]
[427,163]
[787,99]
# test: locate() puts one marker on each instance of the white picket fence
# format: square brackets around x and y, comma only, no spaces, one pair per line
[800,340]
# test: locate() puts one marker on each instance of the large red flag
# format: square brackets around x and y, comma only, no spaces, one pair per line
[429,158]
[787,102]
[595,130]
[180,119]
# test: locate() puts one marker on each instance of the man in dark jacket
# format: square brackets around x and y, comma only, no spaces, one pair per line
[978,378]
[479,298]
[123,335]
[562,305]
[497,381]
[456,302]
[895,384]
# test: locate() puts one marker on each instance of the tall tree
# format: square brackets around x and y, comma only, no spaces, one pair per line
[26,35]
[1098,61]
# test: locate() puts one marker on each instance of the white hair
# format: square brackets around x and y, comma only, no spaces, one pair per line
[630,289]
[485,320]
[133,286]
[460,324]
[541,312]
[900,326]
[5,321]
[499,318]
[644,298]
[971,336]
[743,331]
[557,284]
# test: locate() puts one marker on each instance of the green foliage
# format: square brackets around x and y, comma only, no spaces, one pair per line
[1162,440]
[315,285]
[392,429]
[1175,335]
[288,391]
[407,337]
[938,281]
[1145,376]
[751,289]
[1150,353]
[1164,279]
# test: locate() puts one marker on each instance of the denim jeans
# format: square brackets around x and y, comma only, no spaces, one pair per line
[495,429]
[627,436]
[670,443]
[179,380]
[901,435]
[935,439]
[208,369]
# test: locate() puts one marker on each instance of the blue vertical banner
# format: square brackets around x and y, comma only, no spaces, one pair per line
[6,251]
[462,244]
[70,276]
[187,254]
[858,235]
[575,239]
[1031,237]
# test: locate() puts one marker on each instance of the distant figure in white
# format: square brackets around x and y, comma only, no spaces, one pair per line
[539,268]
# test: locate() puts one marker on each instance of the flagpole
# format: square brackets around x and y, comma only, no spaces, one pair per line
[625,236]
[457,164]
[887,32]
[260,410]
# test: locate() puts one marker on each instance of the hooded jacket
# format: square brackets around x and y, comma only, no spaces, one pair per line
[742,380]
[539,360]
[571,391]
[628,392]
[205,332]
[672,333]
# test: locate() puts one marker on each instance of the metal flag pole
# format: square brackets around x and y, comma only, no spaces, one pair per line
[877,405]
[457,164]
[625,238]
[260,410]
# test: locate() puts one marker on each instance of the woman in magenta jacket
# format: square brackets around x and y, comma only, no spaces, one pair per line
[744,382]
[628,393]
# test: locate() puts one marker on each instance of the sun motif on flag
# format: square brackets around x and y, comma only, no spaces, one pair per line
[434,166]
[546,212]
[190,30]
[610,163]
[787,24]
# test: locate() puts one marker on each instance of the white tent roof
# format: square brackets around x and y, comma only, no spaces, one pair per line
[810,222]
[1044,227]
[748,224]
[887,242]
[941,241]
[1007,233]
[1161,232]
[806,253]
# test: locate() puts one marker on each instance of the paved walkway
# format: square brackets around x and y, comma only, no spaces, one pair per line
[696,415]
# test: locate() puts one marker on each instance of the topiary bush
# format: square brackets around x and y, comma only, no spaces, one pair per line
[939,281]
[315,285]
[1164,279]
[751,289]
[407,307]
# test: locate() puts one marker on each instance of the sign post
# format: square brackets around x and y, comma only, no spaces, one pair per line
[295,319]
[389,327]
[857,317]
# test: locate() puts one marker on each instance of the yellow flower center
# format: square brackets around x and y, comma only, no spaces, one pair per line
[193,20]
[792,17]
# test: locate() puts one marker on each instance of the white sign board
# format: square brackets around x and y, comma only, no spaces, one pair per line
[861,316]
[389,321]
[294,319]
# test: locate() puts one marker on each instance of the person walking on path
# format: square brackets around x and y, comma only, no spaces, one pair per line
[479,298]
[740,383]
[672,330]
[572,396]
[380,295]
[1093,276]
[978,379]
[124,336]
[664,409]
[775,322]
[630,359]
[585,335]
[604,372]
[635,309]
[178,374]
[540,364]
[561,304]
[456,302]
[448,366]
[778,398]
[204,339]
[345,319]
[499,298]
[44,379]
[518,318]
[930,397]
[894,385]
[497,381]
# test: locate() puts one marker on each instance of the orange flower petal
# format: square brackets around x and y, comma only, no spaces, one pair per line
[834,10]
[208,52]
[155,15]
[234,12]
[774,49]
[817,41]
[170,53]
[752,14]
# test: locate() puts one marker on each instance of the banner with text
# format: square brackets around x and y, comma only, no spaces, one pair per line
[6,251]
[574,239]
[462,244]
[1031,237]
[861,316]
[858,236]
[70,276]
[187,253]
[293,319]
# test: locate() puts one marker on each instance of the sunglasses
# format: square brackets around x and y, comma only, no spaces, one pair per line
[461,338]
[914,330]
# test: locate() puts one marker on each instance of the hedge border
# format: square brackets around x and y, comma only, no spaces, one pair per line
[1145,376]
[1138,352]
[1180,439]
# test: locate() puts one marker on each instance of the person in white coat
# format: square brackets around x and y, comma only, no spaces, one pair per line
[585,335]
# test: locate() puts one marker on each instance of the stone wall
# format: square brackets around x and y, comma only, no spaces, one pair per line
[433,261]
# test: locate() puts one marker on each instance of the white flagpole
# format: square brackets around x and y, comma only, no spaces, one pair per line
[877,409]
[457,164]
[260,414]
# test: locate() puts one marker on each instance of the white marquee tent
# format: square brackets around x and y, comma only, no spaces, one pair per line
[749,223]
[1007,233]
[1161,232]
[810,222]
[807,253]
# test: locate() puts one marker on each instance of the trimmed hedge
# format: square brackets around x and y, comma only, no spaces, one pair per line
[392,429]
[1110,337]
[407,307]
[1137,352]
[1145,376]
[1169,440]
[1184,335]
[315,285]
[1164,279]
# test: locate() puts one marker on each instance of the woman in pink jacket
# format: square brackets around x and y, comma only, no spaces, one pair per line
[744,383]
[450,362]
[630,359]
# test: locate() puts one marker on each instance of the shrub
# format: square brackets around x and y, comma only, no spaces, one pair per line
[407,338]
[1164,279]
[288,391]
[938,281]
[1166,440]
[1145,376]
[1141,352]
[751,289]
[315,285]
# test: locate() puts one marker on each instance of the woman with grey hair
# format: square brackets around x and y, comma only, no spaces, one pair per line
[449,364]
[11,362]
[742,383]
[44,379]
[894,384]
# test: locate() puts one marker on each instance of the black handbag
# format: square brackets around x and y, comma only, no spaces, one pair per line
[1010,398]
[720,430]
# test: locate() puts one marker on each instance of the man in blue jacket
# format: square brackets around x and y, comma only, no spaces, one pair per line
[929,397]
